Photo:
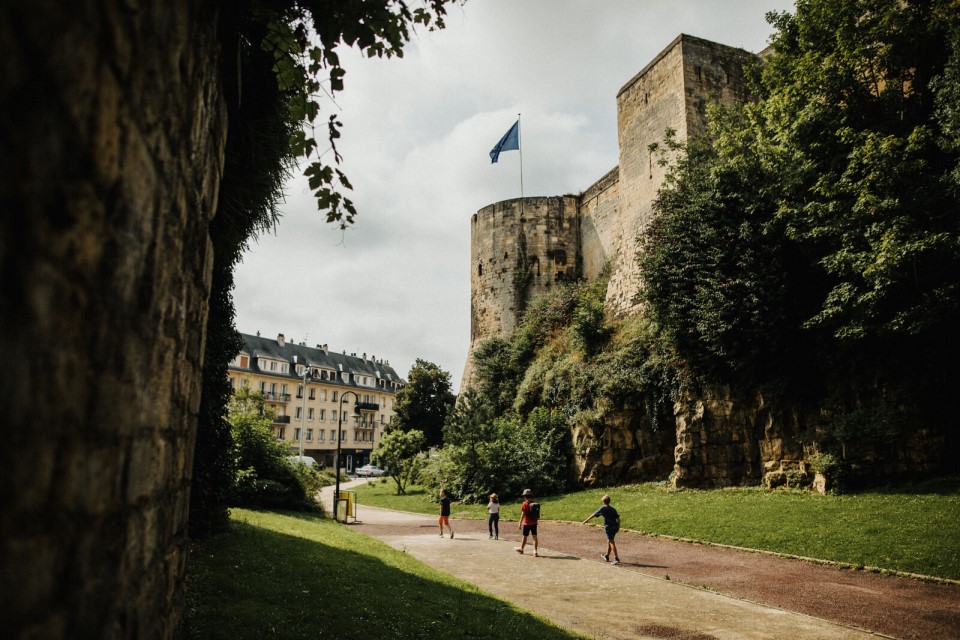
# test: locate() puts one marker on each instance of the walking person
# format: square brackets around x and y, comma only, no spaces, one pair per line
[444,512]
[611,524]
[493,523]
[529,515]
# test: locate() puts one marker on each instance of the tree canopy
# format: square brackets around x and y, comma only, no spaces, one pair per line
[422,404]
[814,235]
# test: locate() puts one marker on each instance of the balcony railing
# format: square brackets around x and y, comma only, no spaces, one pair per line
[271,396]
[281,420]
[368,406]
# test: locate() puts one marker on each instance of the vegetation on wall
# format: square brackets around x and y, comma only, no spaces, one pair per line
[566,365]
[812,243]
[279,66]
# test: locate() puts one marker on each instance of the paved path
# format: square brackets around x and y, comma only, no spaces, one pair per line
[711,594]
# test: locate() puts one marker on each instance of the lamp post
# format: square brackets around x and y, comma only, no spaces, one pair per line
[336,471]
[303,409]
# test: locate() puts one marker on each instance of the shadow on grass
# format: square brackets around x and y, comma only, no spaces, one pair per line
[260,582]
[938,486]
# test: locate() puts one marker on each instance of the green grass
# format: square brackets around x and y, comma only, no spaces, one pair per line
[275,575]
[914,528]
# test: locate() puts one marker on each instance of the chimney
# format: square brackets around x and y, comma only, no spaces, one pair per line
[364,357]
[280,339]
[258,334]
[326,349]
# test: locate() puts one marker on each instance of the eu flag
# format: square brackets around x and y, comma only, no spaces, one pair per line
[509,141]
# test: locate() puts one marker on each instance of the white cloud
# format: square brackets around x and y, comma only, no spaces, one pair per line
[416,135]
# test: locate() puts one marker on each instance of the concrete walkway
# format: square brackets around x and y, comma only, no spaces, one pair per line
[590,597]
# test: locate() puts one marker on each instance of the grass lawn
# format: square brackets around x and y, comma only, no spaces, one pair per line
[284,575]
[914,528]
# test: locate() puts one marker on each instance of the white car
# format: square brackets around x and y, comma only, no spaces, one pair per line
[369,471]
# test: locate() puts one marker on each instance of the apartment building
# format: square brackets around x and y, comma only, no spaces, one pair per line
[315,391]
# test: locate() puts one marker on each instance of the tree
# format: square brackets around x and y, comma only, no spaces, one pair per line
[812,241]
[424,402]
[401,454]
[265,477]
[285,66]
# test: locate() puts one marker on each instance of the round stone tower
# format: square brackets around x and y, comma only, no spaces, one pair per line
[519,249]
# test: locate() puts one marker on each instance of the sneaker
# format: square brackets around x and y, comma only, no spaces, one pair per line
[496,537]
[441,535]
[536,555]
[518,549]
[605,557]
[616,561]
[489,537]
[451,535]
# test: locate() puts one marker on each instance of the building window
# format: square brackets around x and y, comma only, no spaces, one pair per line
[310,413]
[343,436]
[244,362]
[299,390]
[333,416]
[244,383]
[323,395]
[296,433]
[310,434]
[313,394]
[299,413]
[320,434]
[281,433]
[273,366]
[334,399]
[333,435]
[284,368]
[356,436]
[322,413]
[263,387]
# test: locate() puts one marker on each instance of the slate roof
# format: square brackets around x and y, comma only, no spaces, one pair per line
[293,353]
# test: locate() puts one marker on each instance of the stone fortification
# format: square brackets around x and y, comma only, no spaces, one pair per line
[601,226]
[518,250]
[520,247]
[113,139]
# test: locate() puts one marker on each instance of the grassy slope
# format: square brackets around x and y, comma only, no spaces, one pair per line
[915,529]
[300,576]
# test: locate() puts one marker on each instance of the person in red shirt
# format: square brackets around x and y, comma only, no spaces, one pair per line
[528,525]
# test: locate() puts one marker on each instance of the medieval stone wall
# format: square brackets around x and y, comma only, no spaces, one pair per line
[112,151]
[519,249]
[716,442]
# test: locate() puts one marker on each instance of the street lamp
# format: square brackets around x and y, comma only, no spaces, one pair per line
[336,468]
[303,409]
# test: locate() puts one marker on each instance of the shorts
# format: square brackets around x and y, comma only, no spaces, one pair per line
[444,520]
[611,531]
[529,529]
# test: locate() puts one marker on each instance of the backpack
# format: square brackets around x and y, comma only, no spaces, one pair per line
[533,511]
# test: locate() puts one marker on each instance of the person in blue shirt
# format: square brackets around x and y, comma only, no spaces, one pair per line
[611,524]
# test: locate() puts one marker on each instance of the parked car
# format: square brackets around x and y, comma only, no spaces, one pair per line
[369,471]
[307,460]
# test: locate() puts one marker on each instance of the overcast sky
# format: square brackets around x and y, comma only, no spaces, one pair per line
[416,137]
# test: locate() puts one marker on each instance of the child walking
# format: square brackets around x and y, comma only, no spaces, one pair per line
[444,512]
[493,523]
[611,524]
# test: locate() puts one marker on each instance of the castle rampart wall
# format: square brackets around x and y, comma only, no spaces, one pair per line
[600,230]
[519,249]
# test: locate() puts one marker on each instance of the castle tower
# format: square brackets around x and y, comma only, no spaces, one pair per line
[671,92]
[565,235]
[519,249]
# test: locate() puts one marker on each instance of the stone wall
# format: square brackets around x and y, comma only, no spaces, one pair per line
[623,448]
[543,234]
[112,150]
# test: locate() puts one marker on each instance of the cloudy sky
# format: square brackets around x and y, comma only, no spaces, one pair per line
[416,137]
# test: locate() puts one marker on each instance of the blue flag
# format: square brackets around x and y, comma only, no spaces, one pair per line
[509,141]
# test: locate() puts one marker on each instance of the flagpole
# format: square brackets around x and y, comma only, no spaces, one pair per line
[520,145]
